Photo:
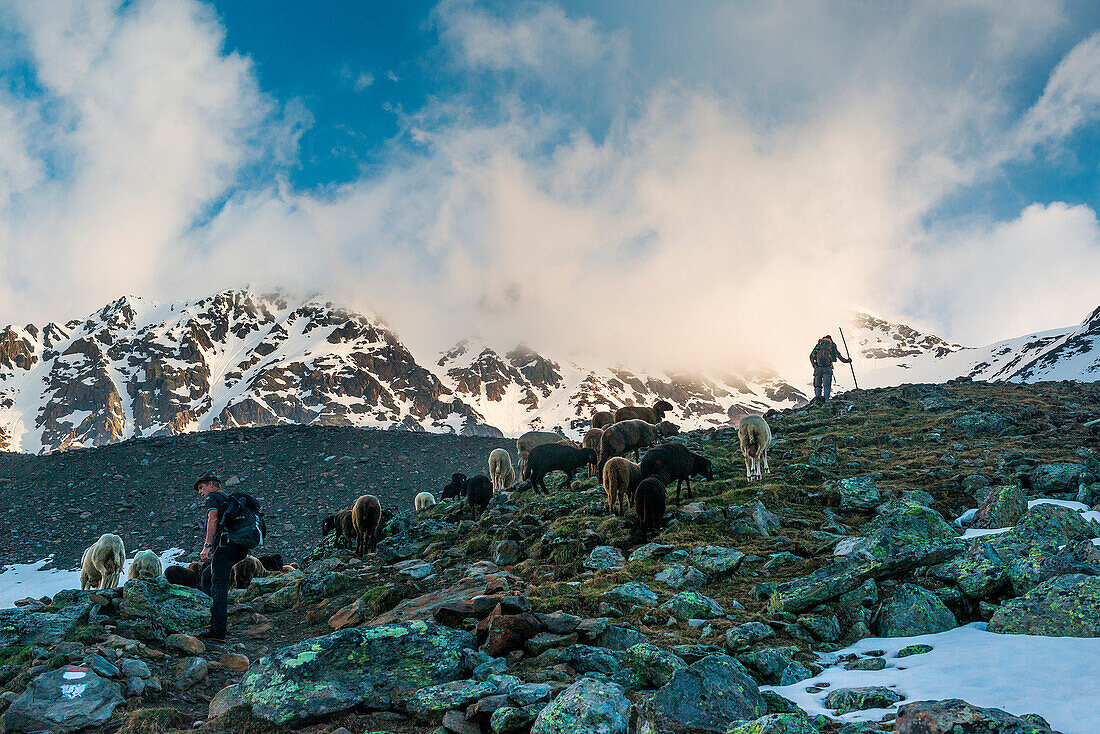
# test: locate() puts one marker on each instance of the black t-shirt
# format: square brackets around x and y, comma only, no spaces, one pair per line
[217,501]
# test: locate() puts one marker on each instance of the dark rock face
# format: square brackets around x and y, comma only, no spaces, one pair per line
[586,706]
[910,611]
[63,700]
[176,608]
[704,697]
[953,715]
[376,667]
[19,627]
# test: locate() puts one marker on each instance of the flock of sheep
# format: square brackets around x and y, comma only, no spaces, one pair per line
[101,566]
[603,451]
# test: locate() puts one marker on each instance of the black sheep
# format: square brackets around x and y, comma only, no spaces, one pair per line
[456,487]
[273,563]
[675,461]
[649,505]
[479,490]
[342,525]
[555,457]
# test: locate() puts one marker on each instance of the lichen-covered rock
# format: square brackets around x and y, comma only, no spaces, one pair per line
[21,627]
[918,649]
[746,635]
[633,592]
[769,664]
[510,720]
[830,582]
[910,611]
[824,627]
[776,724]
[605,558]
[857,493]
[897,526]
[378,667]
[1003,508]
[654,665]
[753,519]
[716,559]
[177,608]
[588,706]
[954,715]
[972,425]
[845,700]
[693,605]
[1058,478]
[679,576]
[67,699]
[707,696]
[446,696]
[1064,606]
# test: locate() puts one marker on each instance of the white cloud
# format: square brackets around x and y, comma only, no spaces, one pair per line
[1070,100]
[357,80]
[717,216]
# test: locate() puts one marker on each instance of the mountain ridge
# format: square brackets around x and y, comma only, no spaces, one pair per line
[243,357]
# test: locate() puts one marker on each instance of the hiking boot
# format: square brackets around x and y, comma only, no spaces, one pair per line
[210,635]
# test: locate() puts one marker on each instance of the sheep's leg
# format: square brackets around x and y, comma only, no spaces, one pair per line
[767,469]
[690,495]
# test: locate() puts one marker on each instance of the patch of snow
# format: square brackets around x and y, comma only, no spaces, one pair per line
[977,533]
[22,580]
[1078,506]
[1054,677]
[966,518]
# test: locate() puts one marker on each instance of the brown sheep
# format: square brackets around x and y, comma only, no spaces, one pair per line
[248,568]
[592,441]
[755,436]
[632,435]
[530,440]
[620,479]
[190,575]
[649,505]
[341,524]
[365,514]
[653,415]
[602,419]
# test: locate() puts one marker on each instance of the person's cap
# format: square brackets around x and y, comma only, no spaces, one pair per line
[207,478]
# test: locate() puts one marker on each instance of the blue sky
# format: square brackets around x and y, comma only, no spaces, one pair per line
[508,169]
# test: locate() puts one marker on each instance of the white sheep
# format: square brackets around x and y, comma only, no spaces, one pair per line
[101,563]
[755,437]
[500,469]
[146,566]
[423,501]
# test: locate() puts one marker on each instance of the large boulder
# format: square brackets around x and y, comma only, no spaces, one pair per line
[846,700]
[753,519]
[857,494]
[378,667]
[21,627]
[899,525]
[972,425]
[910,611]
[1059,478]
[588,706]
[716,559]
[829,582]
[67,699]
[704,698]
[632,592]
[793,723]
[1019,558]
[1002,508]
[1064,606]
[693,605]
[953,716]
[176,608]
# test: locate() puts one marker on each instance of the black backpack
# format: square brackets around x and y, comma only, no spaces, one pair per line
[244,521]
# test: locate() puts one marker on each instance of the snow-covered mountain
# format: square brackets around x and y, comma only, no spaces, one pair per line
[137,368]
[240,358]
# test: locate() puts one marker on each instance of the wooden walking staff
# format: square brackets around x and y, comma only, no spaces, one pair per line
[848,354]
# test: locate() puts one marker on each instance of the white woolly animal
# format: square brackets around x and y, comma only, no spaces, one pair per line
[101,564]
[146,565]
[755,437]
[500,469]
[423,501]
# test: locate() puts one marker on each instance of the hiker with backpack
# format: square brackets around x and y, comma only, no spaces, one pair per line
[822,358]
[234,526]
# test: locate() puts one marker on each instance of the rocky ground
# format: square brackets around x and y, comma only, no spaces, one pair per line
[142,490]
[549,614]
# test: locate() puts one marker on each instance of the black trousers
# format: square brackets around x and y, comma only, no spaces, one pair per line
[220,573]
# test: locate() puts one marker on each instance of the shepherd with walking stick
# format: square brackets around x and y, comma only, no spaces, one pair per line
[824,354]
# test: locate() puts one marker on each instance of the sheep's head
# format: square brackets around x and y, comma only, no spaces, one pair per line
[590,456]
[664,428]
[704,468]
[328,525]
[661,407]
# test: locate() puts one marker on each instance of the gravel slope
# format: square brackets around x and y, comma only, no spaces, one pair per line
[60,503]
